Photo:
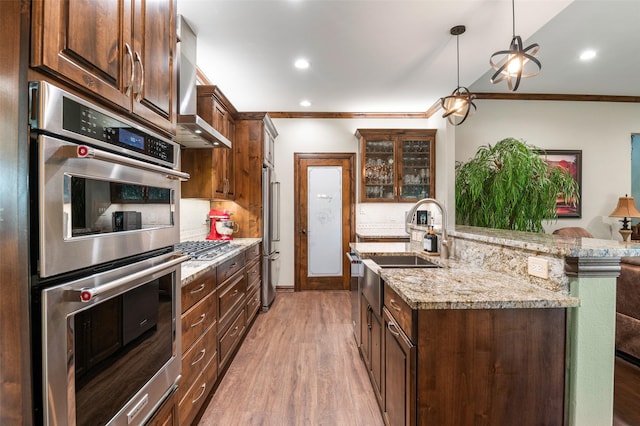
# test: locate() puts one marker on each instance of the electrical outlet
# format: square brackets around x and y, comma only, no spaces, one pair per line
[538,267]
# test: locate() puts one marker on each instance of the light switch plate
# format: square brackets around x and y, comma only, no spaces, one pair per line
[538,267]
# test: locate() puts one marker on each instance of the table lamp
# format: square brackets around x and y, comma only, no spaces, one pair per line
[626,208]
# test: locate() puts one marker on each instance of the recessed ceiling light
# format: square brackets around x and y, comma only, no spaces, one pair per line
[301,64]
[587,54]
[305,103]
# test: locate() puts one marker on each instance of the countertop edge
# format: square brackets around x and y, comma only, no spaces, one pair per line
[193,269]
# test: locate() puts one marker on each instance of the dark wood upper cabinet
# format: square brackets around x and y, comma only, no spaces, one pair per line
[397,165]
[119,50]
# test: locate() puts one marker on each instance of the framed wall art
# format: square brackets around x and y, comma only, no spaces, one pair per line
[572,161]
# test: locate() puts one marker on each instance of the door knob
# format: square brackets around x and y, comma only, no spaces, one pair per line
[304,231]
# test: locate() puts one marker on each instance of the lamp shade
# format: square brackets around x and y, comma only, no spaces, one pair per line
[626,208]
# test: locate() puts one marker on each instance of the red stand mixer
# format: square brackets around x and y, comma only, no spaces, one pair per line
[222,227]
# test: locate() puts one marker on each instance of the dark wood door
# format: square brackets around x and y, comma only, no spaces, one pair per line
[154,41]
[303,163]
[87,43]
[399,383]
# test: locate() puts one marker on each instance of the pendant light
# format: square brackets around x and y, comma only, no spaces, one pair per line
[457,106]
[511,66]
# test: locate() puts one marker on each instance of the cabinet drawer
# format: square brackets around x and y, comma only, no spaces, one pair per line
[201,353]
[229,340]
[196,395]
[253,303]
[400,311]
[230,267]
[198,289]
[253,276]
[196,320]
[252,253]
[230,296]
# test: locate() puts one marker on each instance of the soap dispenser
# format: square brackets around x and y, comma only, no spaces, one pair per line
[426,242]
[430,242]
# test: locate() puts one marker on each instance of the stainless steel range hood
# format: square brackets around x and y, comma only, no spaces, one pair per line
[192,130]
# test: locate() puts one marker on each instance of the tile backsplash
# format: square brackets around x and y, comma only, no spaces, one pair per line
[193,219]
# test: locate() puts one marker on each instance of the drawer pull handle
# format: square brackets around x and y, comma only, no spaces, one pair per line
[131,80]
[235,331]
[202,352]
[394,305]
[235,292]
[391,326]
[202,317]
[204,386]
[198,290]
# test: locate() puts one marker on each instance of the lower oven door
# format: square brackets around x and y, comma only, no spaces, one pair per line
[111,344]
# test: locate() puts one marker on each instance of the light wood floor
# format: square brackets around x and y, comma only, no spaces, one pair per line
[298,365]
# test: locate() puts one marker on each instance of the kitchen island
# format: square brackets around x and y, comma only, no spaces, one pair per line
[483,342]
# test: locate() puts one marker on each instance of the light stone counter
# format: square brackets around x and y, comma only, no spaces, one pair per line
[458,285]
[192,269]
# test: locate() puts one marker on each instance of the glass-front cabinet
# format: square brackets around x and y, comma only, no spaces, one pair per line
[397,165]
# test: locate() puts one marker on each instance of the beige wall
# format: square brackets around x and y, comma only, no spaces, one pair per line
[602,130]
[328,135]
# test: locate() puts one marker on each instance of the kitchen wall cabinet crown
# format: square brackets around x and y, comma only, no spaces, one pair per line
[396,165]
[120,51]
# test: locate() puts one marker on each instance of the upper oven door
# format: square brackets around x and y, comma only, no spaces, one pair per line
[96,207]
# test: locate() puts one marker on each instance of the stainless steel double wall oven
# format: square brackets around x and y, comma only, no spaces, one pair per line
[104,215]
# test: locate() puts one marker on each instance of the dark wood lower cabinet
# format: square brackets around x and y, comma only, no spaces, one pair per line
[471,367]
[371,346]
[491,367]
[216,316]
[399,374]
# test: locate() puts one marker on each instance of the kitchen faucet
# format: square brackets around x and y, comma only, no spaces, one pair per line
[444,250]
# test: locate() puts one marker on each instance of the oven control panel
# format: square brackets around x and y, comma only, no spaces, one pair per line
[94,124]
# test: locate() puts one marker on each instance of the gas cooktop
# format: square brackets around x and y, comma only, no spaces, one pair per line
[205,250]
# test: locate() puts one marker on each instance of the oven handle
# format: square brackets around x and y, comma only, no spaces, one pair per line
[86,294]
[83,151]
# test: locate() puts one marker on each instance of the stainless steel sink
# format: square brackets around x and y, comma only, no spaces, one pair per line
[402,261]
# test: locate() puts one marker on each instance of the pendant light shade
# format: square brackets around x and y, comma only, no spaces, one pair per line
[459,105]
[516,63]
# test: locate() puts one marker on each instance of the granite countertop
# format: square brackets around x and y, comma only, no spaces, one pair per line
[554,245]
[193,269]
[459,286]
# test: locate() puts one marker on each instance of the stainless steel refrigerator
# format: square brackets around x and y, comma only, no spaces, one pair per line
[270,236]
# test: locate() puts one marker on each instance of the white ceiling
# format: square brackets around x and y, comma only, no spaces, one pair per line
[398,55]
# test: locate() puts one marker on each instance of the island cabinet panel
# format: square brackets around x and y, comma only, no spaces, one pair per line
[120,51]
[399,374]
[471,367]
[371,345]
[491,367]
